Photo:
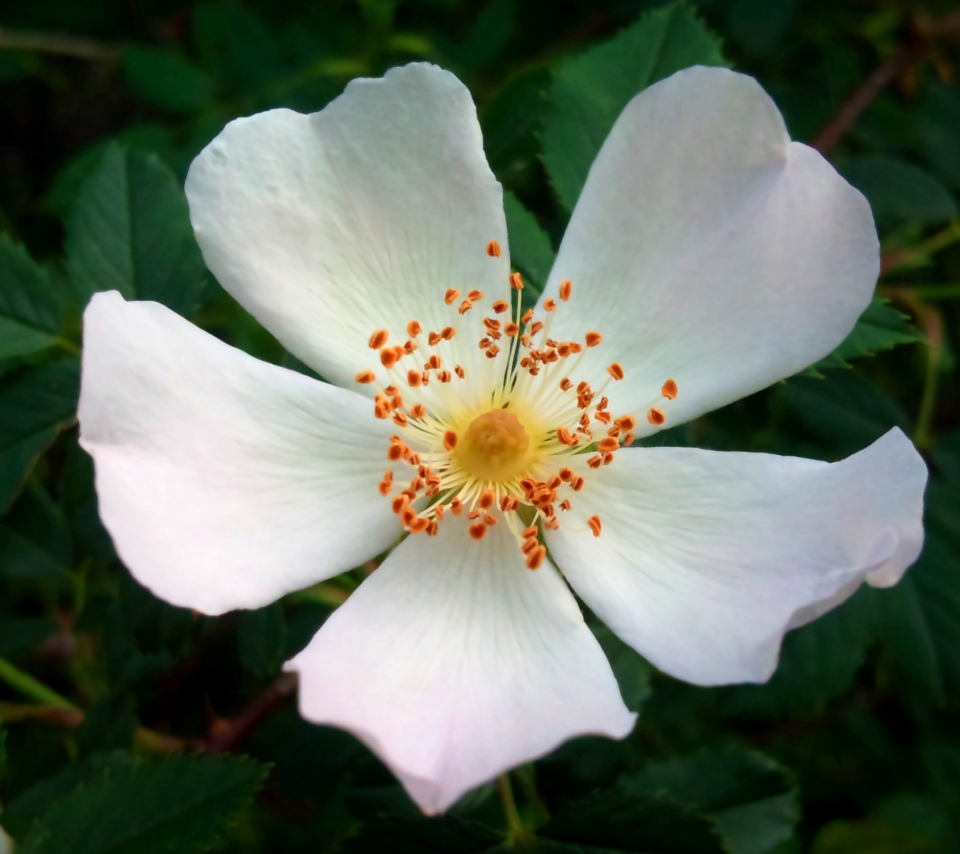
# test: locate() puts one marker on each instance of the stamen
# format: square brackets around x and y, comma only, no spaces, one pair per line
[378,339]
[656,417]
[536,557]
[414,329]
[500,306]
[450,440]
[594,523]
[465,306]
[388,357]
[475,296]
[414,378]
[616,371]
[549,305]
[566,287]
[477,531]
[593,338]
[669,390]
[451,296]
[365,377]
[493,249]
[516,281]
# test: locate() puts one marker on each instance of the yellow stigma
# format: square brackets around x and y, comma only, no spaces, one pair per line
[495,447]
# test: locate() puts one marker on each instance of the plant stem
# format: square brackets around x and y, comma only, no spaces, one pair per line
[515,829]
[30,687]
[56,43]
[902,257]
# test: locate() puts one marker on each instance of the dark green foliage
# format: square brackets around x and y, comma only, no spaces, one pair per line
[191,800]
[853,747]
[590,90]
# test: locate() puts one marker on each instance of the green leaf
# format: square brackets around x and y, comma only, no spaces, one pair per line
[898,190]
[530,249]
[590,91]
[35,405]
[623,820]
[879,328]
[129,231]
[753,801]
[166,79]
[509,120]
[262,639]
[920,621]
[445,835]
[817,662]
[633,672]
[3,748]
[32,304]
[177,805]
[35,541]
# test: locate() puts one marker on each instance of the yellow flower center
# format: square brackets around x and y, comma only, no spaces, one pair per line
[495,447]
[512,453]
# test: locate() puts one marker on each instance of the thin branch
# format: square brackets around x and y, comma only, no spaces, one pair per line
[32,688]
[925,33]
[56,43]
[229,734]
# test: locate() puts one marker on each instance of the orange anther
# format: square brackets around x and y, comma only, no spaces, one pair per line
[626,422]
[594,523]
[456,506]
[536,557]
[669,390]
[491,352]
[628,438]
[433,339]
[563,435]
[433,528]
[475,296]
[516,281]
[388,357]
[465,306]
[438,512]
[535,327]
[414,329]
[508,502]
[577,484]
[565,475]
[444,376]
[486,499]
[365,377]
[489,520]
[527,316]
[378,339]
[607,445]
[419,525]
[500,306]
[434,362]
[451,296]
[414,378]
[399,503]
[418,410]
[400,419]
[477,531]
[447,333]
[565,349]
[408,515]
[566,287]
[595,462]
[616,371]
[450,440]
[529,545]
[549,305]
[565,384]
[493,249]
[656,417]
[460,372]
[395,452]
[511,329]
[552,524]
[593,338]
[565,505]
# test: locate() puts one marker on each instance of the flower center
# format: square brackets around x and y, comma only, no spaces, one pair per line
[495,447]
[512,439]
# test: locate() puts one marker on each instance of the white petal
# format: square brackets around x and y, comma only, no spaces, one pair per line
[705,559]
[329,226]
[453,663]
[224,481]
[709,249]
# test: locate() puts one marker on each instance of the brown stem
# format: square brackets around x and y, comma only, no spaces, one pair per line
[925,33]
[229,734]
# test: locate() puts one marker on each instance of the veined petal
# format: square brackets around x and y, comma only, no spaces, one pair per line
[705,559]
[224,481]
[453,663]
[709,249]
[327,227]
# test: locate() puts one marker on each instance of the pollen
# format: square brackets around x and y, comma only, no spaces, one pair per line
[388,357]
[493,249]
[365,377]
[566,288]
[378,339]
[669,390]
[594,523]
[516,281]
[450,440]
[414,328]
[616,371]
[656,417]
[451,296]
[549,305]
[593,338]
[477,531]
[500,306]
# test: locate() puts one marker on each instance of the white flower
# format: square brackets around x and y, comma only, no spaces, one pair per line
[712,256]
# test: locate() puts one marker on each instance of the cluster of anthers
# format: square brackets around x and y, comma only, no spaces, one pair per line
[499,455]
